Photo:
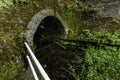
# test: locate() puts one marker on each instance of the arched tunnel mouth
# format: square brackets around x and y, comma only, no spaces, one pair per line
[49,30]
[44,31]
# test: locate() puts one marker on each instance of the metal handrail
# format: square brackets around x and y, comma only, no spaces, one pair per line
[32,68]
[39,66]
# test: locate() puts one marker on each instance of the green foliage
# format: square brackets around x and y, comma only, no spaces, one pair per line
[72,18]
[10,59]
[102,63]
[98,63]
[25,2]
[14,16]
[96,37]
[5,3]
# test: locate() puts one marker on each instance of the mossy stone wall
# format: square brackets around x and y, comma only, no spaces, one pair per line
[96,15]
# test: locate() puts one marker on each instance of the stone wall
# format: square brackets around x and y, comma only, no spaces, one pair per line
[97,15]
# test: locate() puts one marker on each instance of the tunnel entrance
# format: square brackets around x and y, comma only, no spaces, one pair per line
[48,30]
[43,30]
[45,25]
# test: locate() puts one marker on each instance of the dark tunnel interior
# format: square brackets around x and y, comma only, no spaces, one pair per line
[49,29]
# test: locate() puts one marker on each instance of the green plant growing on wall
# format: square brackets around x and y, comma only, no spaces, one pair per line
[9,58]
[96,37]
[102,61]
[98,63]
[5,3]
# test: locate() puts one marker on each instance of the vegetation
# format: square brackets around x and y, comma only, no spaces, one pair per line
[102,63]
[10,53]
[99,63]
[96,37]
[91,62]
[85,63]
[12,28]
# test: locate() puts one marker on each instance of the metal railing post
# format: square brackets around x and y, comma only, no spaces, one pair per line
[32,68]
[39,66]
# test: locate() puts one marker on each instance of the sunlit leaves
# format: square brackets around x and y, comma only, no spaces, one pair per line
[103,61]
[5,3]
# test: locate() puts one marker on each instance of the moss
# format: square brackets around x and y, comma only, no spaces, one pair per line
[95,65]
[9,69]
[13,21]
[101,62]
